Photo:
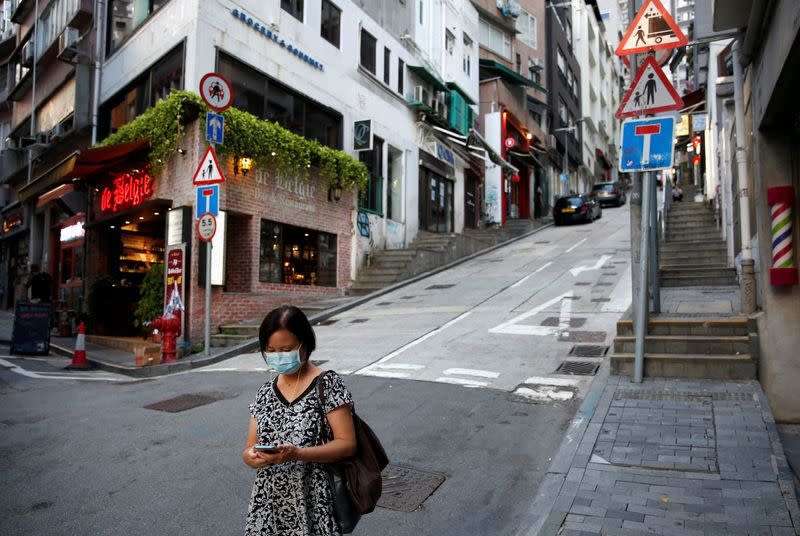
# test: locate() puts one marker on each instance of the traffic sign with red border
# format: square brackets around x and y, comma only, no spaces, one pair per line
[651,84]
[209,170]
[206,227]
[216,92]
[656,32]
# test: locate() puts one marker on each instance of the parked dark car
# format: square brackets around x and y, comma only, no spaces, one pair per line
[574,208]
[609,193]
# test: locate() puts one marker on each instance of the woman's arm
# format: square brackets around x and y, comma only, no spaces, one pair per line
[251,456]
[342,446]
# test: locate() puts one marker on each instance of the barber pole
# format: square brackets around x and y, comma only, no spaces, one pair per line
[783,271]
[79,356]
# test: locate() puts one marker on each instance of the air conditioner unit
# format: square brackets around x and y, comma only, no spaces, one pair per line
[27,54]
[422,95]
[68,44]
[551,141]
[58,132]
[440,104]
[41,140]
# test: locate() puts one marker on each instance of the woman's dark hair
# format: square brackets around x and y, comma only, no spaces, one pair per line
[292,319]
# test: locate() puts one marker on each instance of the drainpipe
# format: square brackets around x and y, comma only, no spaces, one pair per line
[99,11]
[747,281]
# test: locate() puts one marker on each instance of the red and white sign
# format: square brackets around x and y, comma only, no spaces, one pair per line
[216,92]
[653,28]
[206,227]
[174,269]
[510,143]
[650,93]
[208,171]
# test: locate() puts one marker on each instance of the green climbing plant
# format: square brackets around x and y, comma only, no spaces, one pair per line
[266,142]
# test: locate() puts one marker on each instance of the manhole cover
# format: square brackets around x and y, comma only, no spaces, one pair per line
[580,368]
[405,489]
[588,350]
[554,321]
[542,242]
[583,336]
[328,322]
[384,303]
[440,287]
[182,403]
[358,320]
[601,300]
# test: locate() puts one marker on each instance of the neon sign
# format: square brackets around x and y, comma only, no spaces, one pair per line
[129,190]
[72,232]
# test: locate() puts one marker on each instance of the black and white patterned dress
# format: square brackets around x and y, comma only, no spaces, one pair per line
[294,498]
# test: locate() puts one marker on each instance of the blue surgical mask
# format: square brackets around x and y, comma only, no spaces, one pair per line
[284,362]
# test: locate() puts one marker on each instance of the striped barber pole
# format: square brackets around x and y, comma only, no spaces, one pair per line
[783,271]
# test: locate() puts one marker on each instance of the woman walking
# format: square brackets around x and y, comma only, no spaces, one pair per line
[291,494]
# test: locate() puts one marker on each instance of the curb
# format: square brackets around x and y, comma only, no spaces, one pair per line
[252,344]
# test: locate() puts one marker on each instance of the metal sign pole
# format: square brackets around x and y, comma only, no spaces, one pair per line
[207,333]
[641,309]
[654,281]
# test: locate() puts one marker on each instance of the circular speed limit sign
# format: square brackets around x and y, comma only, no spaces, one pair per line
[206,227]
[216,92]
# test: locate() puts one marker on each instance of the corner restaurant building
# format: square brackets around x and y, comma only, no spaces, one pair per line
[279,238]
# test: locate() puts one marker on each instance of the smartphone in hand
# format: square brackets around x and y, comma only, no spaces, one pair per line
[269,449]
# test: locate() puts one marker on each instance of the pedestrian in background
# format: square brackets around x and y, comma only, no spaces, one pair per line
[292,494]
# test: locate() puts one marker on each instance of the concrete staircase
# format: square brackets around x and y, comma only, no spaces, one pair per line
[683,347]
[693,252]
[430,251]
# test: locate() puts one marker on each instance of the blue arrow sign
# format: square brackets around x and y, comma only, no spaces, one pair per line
[215,128]
[647,144]
[207,200]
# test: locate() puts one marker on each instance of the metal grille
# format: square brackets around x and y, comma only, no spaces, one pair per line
[440,287]
[554,321]
[405,489]
[588,350]
[182,403]
[583,336]
[578,368]
[384,303]
[688,396]
[358,320]
[328,322]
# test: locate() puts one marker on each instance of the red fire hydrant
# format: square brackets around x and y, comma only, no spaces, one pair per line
[170,328]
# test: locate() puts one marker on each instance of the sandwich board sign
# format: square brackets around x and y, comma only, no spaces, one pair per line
[653,28]
[647,144]
[650,93]
[208,172]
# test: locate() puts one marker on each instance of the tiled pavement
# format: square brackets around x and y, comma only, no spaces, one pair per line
[679,457]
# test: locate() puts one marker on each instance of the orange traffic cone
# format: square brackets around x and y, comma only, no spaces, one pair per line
[79,357]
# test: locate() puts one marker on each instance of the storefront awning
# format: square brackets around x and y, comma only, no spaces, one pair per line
[52,177]
[455,87]
[527,157]
[477,147]
[101,159]
[427,75]
[498,69]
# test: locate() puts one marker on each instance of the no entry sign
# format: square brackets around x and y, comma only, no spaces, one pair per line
[216,92]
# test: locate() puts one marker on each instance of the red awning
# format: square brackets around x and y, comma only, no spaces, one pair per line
[101,159]
[601,156]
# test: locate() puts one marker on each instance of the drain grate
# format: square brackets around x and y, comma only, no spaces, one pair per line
[588,350]
[440,287]
[583,336]
[358,320]
[407,297]
[601,300]
[328,322]
[578,368]
[405,489]
[604,284]
[681,396]
[182,403]
[554,321]
[384,303]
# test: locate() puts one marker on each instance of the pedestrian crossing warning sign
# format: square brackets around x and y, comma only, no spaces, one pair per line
[208,172]
[653,28]
[650,93]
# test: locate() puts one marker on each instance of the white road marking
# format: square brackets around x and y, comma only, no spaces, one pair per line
[401,366]
[521,281]
[513,326]
[598,459]
[576,245]
[413,343]
[50,376]
[564,316]
[620,298]
[382,373]
[543,393]
[472,372]
[596,266]
[461,381]
[544,380]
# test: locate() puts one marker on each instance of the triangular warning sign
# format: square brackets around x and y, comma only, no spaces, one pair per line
[208,172]
[653,28]
[650,92]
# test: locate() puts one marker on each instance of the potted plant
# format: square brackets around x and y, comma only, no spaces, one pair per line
[151,297]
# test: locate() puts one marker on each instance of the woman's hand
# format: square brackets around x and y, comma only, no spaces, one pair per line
[254,458]
[286,453]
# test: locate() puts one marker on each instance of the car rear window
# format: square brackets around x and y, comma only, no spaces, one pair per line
[569,201]
[605,187]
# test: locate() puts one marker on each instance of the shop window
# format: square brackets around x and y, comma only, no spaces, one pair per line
[293,8]
[526,28]
[371,199]
[266,98]
[368,51]
[449,41]
[387,64]
[466,65]
[296,256]
[125,16]
[331,22]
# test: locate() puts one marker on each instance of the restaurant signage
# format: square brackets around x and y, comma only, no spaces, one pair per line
[127,190]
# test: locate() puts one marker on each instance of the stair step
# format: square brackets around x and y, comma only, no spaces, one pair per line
[385,279]
[686,344]
[722,367]
[695,281]
[707,326]
[221,339]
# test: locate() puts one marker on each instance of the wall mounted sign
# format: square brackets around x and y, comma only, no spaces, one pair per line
[129,190]
[445,154]
[12,220]
[362,135]
[72,232]
[275,38]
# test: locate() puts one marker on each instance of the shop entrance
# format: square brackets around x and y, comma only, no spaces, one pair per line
[436,202]
[519,206]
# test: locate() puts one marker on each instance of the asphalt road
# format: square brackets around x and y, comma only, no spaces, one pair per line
[457,381]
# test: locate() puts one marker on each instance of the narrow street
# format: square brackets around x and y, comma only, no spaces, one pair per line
[458,380]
